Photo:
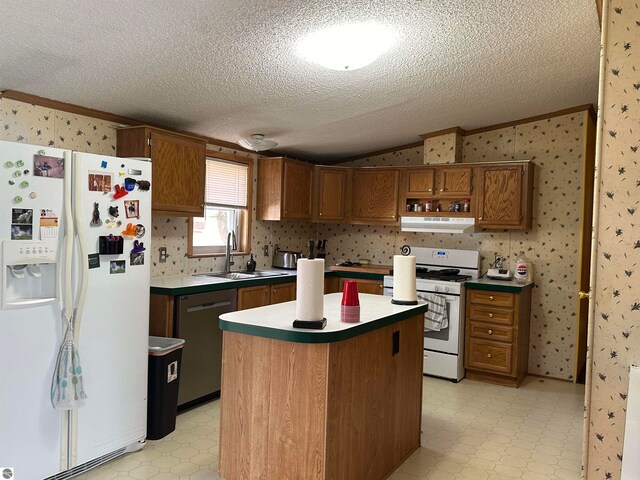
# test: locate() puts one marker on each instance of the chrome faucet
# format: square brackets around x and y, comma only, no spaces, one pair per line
[231,244]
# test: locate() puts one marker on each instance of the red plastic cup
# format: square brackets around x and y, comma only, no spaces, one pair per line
[350,294]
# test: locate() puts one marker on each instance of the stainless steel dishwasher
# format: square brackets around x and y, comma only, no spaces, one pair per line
[197,324]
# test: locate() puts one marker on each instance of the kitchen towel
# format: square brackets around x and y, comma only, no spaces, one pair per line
[436,317]
[67,385]
[310,289]
[404,278]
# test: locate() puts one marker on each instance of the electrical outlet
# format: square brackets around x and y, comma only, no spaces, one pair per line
[163,254]
[265,250]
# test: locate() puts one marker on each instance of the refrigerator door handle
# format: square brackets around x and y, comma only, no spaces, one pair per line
[82,251]
[66,292]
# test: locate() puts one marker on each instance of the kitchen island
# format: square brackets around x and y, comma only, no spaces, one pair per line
[340,403]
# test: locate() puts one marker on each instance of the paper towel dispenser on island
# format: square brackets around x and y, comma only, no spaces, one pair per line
[438,224]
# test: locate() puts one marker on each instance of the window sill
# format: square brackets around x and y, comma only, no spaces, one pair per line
[222,255]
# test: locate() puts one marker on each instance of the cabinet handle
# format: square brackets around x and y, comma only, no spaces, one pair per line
[430,190]
[490,332]
[491,297]
[320,213]
[491,315]
[479,218]
[442,189]
[488,355]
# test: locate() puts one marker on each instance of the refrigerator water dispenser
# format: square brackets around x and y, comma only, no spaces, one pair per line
[29,273]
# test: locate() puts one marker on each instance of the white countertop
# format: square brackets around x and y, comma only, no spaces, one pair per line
[183,281]
[281,316]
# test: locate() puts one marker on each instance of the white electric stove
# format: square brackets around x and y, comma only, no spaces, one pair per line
[443,272]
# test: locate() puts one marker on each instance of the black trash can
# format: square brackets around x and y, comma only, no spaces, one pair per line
[165,357]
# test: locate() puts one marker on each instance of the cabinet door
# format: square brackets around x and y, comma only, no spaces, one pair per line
[418,183]
[178,174]
[500,197]
[454,181]
[364,285]
[331,194]
[375,196]
[297,191]
[253,297]
[283,292]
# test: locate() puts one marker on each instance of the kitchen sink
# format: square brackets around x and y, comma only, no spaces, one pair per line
[240,275]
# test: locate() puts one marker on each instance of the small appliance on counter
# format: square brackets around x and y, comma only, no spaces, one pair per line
[498,273]
[284,259]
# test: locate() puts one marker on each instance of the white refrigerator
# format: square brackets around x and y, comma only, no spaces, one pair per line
[75,232]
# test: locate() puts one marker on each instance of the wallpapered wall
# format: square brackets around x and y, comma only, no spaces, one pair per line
[617,290]
[23,122]
[556,147]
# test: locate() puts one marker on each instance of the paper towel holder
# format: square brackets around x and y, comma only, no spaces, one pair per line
[310,324]
[404,302]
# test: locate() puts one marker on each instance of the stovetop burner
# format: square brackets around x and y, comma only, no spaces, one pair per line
[446,274]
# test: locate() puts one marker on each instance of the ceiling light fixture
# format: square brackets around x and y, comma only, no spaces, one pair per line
[257,143]
[348,46]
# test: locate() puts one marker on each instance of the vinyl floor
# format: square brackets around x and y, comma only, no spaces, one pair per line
[470,430]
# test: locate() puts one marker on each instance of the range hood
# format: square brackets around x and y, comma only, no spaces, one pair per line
[438,224]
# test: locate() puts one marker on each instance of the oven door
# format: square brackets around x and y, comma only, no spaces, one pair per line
[447,339]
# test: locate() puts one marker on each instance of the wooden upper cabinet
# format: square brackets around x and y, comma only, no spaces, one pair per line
[331,194]
[284,189]
[419,182]
[297,190]
[454,181]
[374,198]
[504,196]
[178,176]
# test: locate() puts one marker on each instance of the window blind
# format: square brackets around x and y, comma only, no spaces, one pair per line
[226,183]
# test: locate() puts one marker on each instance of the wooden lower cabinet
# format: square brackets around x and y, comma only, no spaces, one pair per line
[283,292]
[261,295]
[253,297]
[161,315]
[365,285]
[331,285]
[497,335]
[346,410]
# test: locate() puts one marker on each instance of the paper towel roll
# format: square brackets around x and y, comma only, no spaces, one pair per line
[310,289]
[404,278]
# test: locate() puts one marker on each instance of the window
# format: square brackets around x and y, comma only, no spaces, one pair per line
[227,206]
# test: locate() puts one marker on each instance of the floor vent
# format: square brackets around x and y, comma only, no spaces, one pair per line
[87,466]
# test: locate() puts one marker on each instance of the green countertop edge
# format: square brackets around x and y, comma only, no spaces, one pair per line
[319,337]
[471,285]
[212,287]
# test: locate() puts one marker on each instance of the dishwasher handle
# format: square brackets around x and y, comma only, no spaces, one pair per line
[208,306]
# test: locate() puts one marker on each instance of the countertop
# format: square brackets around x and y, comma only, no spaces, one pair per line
[276,321]
[497,285]
[190,284]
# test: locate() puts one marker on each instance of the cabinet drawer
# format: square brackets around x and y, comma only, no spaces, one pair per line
[490,331]
[481,313]
[491,356]
[499,299]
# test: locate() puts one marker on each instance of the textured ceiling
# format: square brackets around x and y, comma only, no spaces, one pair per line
[228,68]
